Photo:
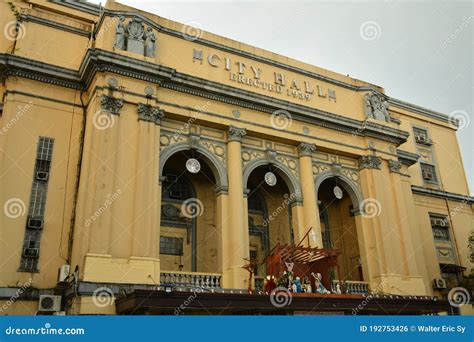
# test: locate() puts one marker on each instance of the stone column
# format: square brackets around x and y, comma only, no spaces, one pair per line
[234,276]
[147,197]
[310,206]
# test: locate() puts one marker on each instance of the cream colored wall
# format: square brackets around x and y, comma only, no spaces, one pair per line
[118,249]
[40,117]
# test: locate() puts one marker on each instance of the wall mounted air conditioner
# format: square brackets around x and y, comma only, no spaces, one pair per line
[30,252]
[42,175]
[34,223]
[49,303]
[63,273]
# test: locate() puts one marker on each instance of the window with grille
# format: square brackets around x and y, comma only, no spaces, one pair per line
[175,188]
[440,227]
[428,172]
[37,204]
[171,245]
[421,135]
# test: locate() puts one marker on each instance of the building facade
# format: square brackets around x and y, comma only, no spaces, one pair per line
[146,159]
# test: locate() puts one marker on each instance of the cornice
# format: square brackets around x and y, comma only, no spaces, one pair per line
[407,158]
[53,24]
[97,60]
[82,6]
[418,190]
[12,65]
[97,10]
[420,110]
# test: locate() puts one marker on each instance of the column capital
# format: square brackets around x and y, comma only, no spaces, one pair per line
[394,166]
[111,104]
[236,133]
[369,162]
[150,114]
[305,149]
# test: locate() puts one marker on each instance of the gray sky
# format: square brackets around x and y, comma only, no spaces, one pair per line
[421,51]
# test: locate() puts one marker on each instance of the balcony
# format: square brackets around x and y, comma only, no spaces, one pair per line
[351,287]
[190,279]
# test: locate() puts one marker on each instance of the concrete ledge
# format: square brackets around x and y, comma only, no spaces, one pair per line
[134,270]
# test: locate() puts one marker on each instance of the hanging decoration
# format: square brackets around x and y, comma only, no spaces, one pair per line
[193,165]
[337,192]
[270,178]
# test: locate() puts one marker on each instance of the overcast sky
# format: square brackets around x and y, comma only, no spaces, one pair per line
[419,51]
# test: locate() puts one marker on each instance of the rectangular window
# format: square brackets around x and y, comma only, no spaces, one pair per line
[421,136]
[428,172]
[440,227]
[37,204]
[171,245]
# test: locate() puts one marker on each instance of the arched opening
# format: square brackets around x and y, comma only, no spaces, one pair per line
[188,236]
[269,216]
[338,225]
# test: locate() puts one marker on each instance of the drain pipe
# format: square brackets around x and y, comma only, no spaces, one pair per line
[78,178]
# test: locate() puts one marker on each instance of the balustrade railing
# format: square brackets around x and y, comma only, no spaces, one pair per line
[191,279]
[351,287]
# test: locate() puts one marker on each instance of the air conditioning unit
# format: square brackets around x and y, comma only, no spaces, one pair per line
[42,175]
[63,273]
[427,175]
[34,223]
[439,283]
[49,303]
[59,313]
[420,138]
[30,252]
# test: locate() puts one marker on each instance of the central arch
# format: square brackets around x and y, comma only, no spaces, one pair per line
[210,159]
[282,170]
[340,223]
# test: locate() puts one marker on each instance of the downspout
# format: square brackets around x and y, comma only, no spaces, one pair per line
[78,178]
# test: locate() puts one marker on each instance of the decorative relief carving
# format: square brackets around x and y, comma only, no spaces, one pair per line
[376,106]
[150,113]
[218,149]
[394,166]
[290,162]
[369,162]
[111,104]
[249,155]
[337,168]
[320,167]
[170,138]
[134,38]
